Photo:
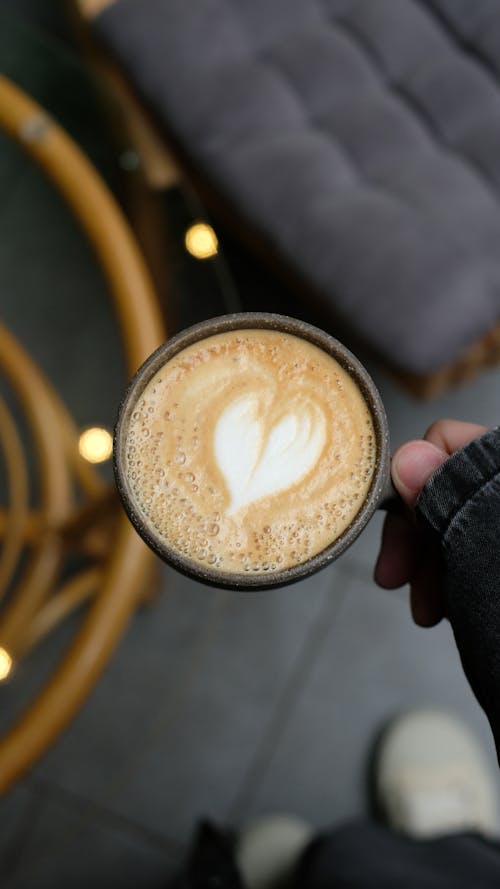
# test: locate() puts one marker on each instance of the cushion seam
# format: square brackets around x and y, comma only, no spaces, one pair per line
[428,126]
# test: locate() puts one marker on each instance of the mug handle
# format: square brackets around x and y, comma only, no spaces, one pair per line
[390,499]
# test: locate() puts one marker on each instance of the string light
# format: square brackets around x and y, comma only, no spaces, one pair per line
[201,241]
[5,663]
[95,444]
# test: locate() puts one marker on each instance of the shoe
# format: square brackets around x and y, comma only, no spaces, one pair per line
[268,850]
[431,778]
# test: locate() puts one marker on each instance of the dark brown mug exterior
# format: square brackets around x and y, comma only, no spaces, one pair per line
[381,493]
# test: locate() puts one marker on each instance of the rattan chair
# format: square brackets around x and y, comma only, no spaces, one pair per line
[119,565]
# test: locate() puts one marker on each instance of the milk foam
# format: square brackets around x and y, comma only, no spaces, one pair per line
[250,451]
[257,461]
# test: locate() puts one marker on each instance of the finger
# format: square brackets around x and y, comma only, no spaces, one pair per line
[426,596]
[396,562]
[412,466]
[451,435]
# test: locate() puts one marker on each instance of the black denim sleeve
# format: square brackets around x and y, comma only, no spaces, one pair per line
[460,508]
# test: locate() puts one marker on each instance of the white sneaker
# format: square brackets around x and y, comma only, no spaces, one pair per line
[432,778]
[268,849]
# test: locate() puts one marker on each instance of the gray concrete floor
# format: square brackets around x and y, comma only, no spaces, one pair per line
[215,704]
[228,706]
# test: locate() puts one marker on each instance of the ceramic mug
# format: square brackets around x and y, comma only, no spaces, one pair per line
[381,493]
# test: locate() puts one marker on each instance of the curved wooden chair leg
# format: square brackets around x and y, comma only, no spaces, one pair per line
[17,475]
[114,586]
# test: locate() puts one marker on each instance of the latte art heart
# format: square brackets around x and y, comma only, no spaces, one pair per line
[257,461]
[250,451]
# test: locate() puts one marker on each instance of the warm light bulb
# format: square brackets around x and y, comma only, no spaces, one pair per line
[95,445]
[5,663]
[201,241]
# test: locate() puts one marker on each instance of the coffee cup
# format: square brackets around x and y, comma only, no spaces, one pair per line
[251,450]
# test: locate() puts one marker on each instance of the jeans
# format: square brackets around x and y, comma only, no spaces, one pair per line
[366,855]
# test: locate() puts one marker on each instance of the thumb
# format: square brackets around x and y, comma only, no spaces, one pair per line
[412,466]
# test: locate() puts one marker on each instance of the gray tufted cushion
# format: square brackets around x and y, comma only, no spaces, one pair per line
[361,136]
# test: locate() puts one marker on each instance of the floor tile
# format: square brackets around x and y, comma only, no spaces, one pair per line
[153,660]
[18,812]
[174,723]
[74,846]
[373,664]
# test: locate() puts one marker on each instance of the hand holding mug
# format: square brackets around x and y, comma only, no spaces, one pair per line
[404,556]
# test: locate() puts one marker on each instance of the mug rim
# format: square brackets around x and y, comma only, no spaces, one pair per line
[245,321]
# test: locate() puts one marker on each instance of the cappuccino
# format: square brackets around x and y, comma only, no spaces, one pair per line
[250,451]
